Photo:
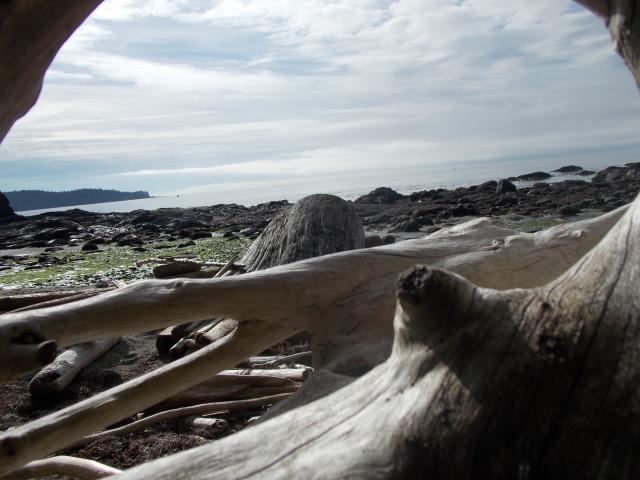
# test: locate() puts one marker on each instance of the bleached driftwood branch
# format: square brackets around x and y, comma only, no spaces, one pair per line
[202,409]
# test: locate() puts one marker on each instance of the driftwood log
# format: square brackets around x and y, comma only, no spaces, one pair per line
[51,381]
[481,381]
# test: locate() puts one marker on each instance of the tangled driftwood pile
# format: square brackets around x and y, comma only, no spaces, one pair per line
[502,355]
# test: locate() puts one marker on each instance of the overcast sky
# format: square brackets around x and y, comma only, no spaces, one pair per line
[182,95]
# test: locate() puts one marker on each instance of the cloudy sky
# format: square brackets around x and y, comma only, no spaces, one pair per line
[185,95]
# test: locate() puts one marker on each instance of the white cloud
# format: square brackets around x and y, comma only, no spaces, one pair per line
[241,88]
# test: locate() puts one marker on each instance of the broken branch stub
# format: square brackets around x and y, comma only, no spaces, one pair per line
[534,383]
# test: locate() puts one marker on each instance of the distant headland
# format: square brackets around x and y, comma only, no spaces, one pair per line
[23,200]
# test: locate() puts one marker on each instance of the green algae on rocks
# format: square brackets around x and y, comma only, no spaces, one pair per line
[74,268]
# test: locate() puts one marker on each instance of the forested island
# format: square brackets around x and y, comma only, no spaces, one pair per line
[22,200]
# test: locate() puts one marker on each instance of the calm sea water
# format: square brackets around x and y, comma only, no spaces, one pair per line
[348,186]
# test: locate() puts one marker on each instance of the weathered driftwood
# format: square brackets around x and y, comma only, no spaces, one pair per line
[32,33]
[172,269]
[262,362]
[343,299]
[534,383]
[46,299]
[64,427]
[51,381]
[316,225]
[63,465]
[346,300]
[203,409]
[178,347]
[238,384]
[237,391]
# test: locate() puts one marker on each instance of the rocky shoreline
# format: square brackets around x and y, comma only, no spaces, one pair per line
[57,240]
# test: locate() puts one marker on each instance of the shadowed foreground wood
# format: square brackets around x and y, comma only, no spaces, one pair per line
[529,383]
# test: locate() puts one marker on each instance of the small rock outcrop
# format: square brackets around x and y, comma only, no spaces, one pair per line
[534,177]
[569,169]
[384,195]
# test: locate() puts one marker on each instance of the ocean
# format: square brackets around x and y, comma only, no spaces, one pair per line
[348,186]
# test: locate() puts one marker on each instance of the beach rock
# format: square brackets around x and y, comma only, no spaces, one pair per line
[406,226]
[55,234]
[489,186]
[568,169]
[90,247]
[373,241]
[505,186]
[463,211]
[382,195]
[194,234]
[130,241]
[568,210]
[533,177]
[425,195]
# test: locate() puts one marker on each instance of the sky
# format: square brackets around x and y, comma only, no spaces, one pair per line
[184,96]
